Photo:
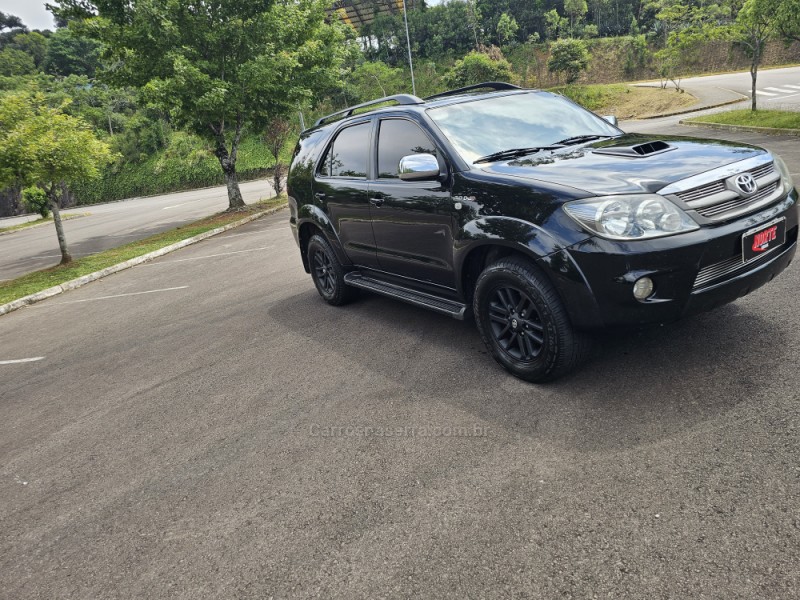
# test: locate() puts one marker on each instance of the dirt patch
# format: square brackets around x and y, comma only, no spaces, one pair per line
[639,102]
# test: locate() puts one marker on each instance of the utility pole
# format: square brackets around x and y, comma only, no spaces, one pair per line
[408,42]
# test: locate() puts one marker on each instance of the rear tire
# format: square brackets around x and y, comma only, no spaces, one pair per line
[524,323]
[327,273]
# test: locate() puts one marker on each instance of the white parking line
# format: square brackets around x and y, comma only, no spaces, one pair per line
[45,304]
[21,360]
[175,205]
[794,87]
[779,90]
[260,232]
[169,262]
[784,97]
[763,93]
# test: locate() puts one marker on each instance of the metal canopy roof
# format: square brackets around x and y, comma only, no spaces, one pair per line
[363,12]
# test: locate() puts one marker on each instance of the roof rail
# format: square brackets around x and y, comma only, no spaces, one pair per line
[492,85]
[402,99]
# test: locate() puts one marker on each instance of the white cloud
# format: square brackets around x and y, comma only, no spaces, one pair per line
[32,12]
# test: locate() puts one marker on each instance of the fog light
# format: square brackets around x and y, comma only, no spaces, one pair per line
[643,288]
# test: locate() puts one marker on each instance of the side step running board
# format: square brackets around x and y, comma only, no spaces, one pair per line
[452,308]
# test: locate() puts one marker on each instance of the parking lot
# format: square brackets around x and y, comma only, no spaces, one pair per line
[204,426]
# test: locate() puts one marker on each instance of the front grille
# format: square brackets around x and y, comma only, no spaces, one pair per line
[701,192]
[733,266]
[727,268]
[763,170]
[740,202]
[716,201]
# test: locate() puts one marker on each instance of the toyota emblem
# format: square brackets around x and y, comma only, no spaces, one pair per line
[746,183]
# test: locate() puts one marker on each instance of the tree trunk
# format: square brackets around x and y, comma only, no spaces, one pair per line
[277,178]
[62,240]
[227,161]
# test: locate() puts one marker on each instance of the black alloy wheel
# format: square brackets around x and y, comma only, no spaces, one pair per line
[523,322]
[323,272]
[328,273]
[516,325]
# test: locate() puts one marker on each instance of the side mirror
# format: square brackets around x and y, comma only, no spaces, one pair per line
[611,119]
[418,167]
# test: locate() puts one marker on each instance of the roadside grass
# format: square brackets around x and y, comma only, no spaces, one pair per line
[46,278]
[625,101]
[39,222]
[777,119]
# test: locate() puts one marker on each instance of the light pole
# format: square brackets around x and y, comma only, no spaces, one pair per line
[408,42]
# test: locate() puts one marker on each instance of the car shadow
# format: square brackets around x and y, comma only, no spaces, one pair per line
[637,386]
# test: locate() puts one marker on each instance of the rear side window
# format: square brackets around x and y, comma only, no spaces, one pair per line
[348,155]
[399,138]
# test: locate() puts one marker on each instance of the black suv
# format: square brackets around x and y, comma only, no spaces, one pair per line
[535,215]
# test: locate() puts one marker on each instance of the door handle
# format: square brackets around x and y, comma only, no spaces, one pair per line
[376,202]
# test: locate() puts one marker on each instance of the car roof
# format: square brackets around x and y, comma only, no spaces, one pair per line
[410,103]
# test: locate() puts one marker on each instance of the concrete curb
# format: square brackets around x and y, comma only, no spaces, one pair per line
[689,110]
[750,128]
[36,223]
[81,281]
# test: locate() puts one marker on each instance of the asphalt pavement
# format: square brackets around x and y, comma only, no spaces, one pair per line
[775,88]
[103,226]
[204,426]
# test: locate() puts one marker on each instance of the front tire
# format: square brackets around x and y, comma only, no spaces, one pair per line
[524,323]
[327,273]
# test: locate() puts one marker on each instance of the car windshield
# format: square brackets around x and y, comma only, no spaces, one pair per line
[479,128]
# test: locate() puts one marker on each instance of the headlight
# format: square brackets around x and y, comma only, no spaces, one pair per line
[634,217]
[788,184]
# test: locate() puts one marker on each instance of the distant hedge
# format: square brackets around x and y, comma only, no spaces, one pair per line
[183,166]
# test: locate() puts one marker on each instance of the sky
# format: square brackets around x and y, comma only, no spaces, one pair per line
[35,16]
[32,13]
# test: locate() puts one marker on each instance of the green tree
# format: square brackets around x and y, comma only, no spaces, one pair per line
[9,21]
[371,80]
[69,53]
[788,20]
[42,146]
[554,24]
[217,66]
[277,134]
[570,57]
[32,43]
[478,67]
[16,62]
[576,10]
[756,23]
[507,29]
[686,28]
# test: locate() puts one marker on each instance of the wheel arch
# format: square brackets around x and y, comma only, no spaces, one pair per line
[310,220]
[542,250]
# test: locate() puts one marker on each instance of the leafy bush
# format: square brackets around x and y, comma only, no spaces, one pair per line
[35,200]
[187,163]
[570,57]
[477,67]
[635,52]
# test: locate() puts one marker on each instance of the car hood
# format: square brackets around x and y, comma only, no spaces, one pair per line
[628,164]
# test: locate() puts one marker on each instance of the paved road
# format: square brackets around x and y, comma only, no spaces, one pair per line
[111,225]
[776,88]
[186,435]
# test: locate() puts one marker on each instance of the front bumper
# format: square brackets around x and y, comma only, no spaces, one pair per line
[609,268]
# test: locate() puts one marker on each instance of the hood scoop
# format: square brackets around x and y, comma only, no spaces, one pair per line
[637,150]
